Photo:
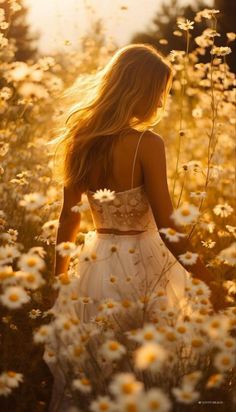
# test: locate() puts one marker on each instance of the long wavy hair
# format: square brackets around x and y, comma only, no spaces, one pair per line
[122,96]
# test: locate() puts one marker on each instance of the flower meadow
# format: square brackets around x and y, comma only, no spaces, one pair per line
[134,355]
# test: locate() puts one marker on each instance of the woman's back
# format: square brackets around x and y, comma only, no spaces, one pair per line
[128,208]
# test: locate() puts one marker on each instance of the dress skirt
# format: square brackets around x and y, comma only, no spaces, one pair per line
[117,268]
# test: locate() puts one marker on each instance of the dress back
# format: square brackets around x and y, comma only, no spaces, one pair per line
[129,210]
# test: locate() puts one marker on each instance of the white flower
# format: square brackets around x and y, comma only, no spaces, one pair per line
[221,51]
[43,334]
[223,210]
[113,350]
[30,262]
[188,258]
[6,274]
[5,390]
[185,214]
[197,112]
[217,326]
[150,355]
[185,25]
[206,14]
[35,313]
[231,36]
[208,243]
[33,201]
[171,234]
[155,400]
[30,280]
[104,195]
[102,403]
[8,253]
[66,248]
[228,255]
[13,378]
[185,394]
[108,306]
[14,297]
[198,195]
[148,334]
[83,385]
[224,361]
[125,384]
[215,380]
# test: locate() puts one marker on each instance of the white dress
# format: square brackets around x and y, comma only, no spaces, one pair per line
[120,266]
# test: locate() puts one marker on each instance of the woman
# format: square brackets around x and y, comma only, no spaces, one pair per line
[112,156]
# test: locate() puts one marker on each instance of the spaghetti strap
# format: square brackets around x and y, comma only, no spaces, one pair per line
[135,155]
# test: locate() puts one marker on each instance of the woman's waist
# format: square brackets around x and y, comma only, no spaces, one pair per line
[111,232]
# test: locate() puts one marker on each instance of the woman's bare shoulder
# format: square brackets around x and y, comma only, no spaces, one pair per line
[152,144]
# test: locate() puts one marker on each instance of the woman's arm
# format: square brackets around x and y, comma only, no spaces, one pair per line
[153,160]
[68,227]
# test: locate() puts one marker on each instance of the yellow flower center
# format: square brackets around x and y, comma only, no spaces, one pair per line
[127,388]
[171,231]
[196,343]
[113,346]
[148,336]
[11,374]
[154,405]
[31,262]
[14,297]
[85,381]
[31,278]
[185,212]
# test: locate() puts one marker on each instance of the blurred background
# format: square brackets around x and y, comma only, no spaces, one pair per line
[50,27]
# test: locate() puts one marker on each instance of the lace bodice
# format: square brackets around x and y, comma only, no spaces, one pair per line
[129,210]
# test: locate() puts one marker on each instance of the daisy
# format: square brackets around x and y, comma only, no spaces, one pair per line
[30,280]
[231,229]
[14,297]
[125,384]
[221,51]
[66,248]
[83,385]
[185,394]
[226,343]
[217,326]
[105,195]
[150,355]
[171,234]
[185,214]
[35,313]
[13,378]
[130,403]
[185,24]
[197,112]
[188,258]
[215,380]
[228,255]
[223,210]
[231,36]
[43,334]
[85,299]
[108,307]
[155,400]
[101,404]
[6,274]
[5,390]
[113,350]
[30,262]
[206,14]
[209,244]
[148,334]
[198,195]
[8,253]
[33,201]
[224,361]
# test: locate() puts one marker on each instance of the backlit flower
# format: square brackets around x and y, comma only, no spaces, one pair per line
[185,214]
[104,195]
[113,350]
[188,258]
[185,394]
[150,355]
[223,210]
[185,25]
[14,297]
[171,234]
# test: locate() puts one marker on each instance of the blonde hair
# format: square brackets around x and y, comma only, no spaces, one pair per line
[137,76]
